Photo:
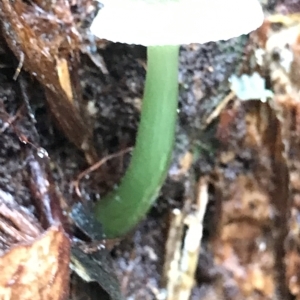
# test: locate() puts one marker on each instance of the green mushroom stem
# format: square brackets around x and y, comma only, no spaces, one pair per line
[123,208]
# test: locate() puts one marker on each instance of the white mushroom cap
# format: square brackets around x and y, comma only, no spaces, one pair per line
[175,22]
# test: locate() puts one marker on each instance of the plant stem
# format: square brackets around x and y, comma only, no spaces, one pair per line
[121,210]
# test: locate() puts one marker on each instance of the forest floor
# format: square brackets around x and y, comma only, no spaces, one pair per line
[235,168]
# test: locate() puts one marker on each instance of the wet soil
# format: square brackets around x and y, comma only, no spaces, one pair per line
[112,102]
[115,99]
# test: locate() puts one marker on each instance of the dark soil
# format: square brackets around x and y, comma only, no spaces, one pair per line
[115,98]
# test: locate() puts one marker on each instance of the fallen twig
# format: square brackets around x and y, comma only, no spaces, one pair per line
[95,167]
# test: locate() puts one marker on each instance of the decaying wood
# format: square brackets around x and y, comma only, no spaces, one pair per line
[183,246]
[46,43]
[37,269]
[34,264]
[255,245]
[16,223]
[44,193]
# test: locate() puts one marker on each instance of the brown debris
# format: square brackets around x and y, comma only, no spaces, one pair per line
[22,227]
[45,194]
[249,241]
[46,42]
[96,166]
[34,264]
[183,246]
[248,201]
[284,73]
[38,269]
[257,181]
[16,223]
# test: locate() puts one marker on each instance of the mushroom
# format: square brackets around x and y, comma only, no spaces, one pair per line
[162,26]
